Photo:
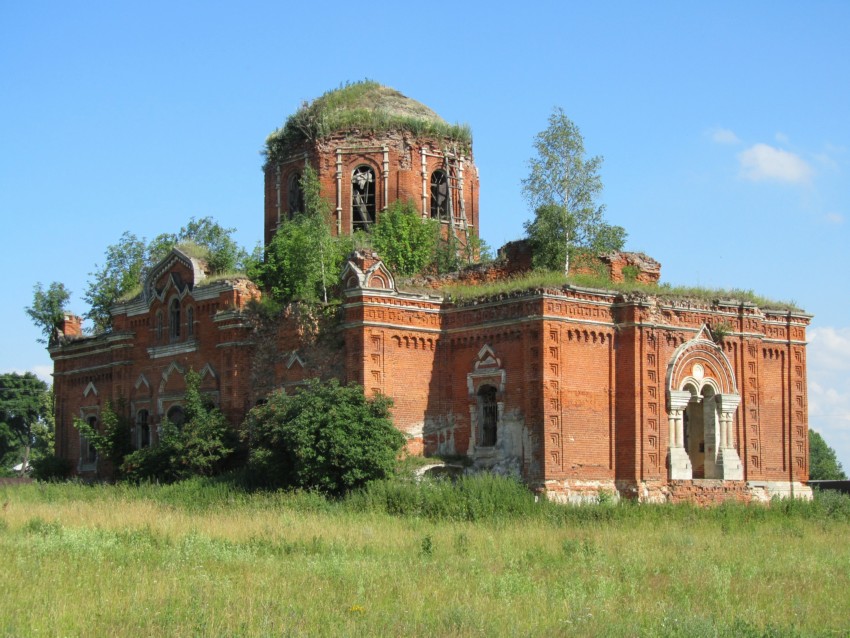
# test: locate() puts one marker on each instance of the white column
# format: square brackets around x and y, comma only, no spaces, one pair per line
[339,192]
[422,153]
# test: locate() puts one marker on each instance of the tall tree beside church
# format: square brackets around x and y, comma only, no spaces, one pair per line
[562,188]
[23,403]
[48,308]
[823,462]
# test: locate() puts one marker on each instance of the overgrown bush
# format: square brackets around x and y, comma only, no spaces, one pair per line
[303,260]
[201,447]
[404,240]
[112,440]
[50,468]
[325,436]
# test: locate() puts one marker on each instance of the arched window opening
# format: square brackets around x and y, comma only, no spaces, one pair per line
[143,429]
[294,195]
[159,325]
[439,195]
[174,319]
[363,198]
[88,453]
[176,416]
[489,414]
[190,321]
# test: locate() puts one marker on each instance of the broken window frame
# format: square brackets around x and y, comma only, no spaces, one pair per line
[440,189]
[363,198]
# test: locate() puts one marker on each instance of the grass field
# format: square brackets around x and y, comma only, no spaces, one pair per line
[206,559]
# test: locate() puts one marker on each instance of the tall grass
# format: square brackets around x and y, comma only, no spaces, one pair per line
[205,558]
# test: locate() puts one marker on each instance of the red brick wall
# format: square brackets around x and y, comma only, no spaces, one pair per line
[404,179]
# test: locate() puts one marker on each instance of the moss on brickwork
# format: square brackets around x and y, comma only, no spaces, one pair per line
[364,107]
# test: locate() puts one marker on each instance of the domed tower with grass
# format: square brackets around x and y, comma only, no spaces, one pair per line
[370,146]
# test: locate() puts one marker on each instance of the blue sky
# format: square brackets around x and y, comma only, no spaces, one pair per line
[725,129]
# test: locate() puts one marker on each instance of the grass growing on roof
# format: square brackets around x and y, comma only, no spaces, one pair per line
[538,280]
[365,106]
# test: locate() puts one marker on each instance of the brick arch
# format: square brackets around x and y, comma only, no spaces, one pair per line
[714,366]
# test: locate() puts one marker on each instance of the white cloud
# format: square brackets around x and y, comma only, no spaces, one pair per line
[765,162]
[829,388]
[723,136]
[834,218]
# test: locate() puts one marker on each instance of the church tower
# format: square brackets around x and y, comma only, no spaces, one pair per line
[370,146]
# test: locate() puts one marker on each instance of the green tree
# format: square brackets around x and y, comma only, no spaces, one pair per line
[823,462]
[128,261]
[562,188]
[48,309]
[404,240]
[202,446]
[224,254]
[303,260]
[122,271]
[324,436]
[112,439]
[24,403]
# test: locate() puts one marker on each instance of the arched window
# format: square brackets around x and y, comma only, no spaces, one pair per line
[439,195]
[88,453]
[159,325]
[176,416]
[363,198]
[143,429]
[190,321]
[489,415]
[294,195]
[174,319]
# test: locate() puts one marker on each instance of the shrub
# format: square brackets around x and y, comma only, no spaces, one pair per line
[404,240]
[201,447]
[325,436]
[50,468]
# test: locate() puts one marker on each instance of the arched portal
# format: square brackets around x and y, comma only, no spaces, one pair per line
[702,400]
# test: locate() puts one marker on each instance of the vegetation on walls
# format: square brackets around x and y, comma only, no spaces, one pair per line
[303,260]
[202,446]
[365,107]
[127,262]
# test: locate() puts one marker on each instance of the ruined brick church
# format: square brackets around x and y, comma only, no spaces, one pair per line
[578,391]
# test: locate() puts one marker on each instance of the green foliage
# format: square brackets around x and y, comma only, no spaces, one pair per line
[128,261]
[364,106]
[201,447]
[303,259]
[823,462]
[630,274]
[24,404]
[720,331]
[113,438]
[223,254]
[452,255]
[555,279]
[324,436]
[51,468]
[48,309]
[562,189]
[404,240]
[552,570]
